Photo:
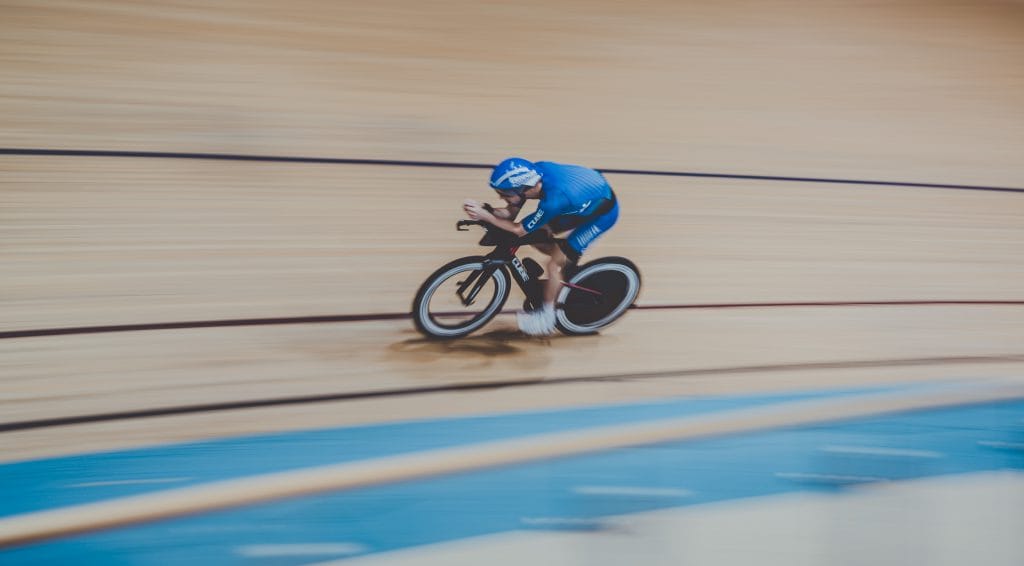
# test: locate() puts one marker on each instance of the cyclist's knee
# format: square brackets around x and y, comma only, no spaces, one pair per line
[557,260]
[567,250]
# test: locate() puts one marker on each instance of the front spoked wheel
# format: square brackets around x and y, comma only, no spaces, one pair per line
[597,295]
[460,297]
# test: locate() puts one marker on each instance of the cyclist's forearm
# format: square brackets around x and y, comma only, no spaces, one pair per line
[508,213]
[509,226]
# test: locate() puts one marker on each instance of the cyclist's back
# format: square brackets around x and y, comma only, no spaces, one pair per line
[571,189]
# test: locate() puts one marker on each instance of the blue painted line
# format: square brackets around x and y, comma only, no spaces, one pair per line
[43,484]
[955,441]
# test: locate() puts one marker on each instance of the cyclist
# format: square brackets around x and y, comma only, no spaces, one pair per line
[571,197]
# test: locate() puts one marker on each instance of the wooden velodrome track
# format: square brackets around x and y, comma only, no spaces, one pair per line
[908,91]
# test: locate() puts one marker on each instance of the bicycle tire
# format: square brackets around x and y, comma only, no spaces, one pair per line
[427,323]
[582,313]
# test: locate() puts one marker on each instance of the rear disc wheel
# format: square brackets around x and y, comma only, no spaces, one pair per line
[597,295]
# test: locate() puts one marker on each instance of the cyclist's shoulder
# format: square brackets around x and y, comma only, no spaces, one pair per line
[552,198]
[558,167]
[564,175]
[547,167]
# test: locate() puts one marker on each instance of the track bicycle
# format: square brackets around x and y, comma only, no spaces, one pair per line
[465,294]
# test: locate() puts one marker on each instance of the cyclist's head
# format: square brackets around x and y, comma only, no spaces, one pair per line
[513,176]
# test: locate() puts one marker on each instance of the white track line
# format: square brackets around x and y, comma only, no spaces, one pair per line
[630,491]
[299,549]
[128,482]
[881,451]
[835,479]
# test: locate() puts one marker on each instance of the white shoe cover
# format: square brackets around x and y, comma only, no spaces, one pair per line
[537,323]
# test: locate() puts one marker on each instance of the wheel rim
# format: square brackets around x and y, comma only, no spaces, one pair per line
[441,311]
[583,312]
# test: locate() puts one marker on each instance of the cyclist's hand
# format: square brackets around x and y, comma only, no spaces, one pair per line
[476,211]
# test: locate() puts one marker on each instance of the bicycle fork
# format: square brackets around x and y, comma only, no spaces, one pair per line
[474,277]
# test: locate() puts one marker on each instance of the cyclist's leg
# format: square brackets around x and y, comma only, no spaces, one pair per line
[582,237]
[542,321]
[567,252]
[556,261]
[556,256]
[550,247]
[564,256]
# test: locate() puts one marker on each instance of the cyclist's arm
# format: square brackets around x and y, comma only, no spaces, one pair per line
[531,223]
[478,211]
[507,225]
[508,213]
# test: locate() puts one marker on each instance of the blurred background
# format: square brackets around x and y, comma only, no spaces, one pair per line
[903,92]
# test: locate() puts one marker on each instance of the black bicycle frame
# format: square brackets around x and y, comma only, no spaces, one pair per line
[504,253]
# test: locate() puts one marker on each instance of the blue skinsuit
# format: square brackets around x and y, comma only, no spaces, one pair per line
[572,198]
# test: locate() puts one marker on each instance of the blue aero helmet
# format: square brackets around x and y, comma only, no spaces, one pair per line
[514,174]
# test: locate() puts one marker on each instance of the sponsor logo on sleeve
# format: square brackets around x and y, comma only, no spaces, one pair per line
[534,219]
